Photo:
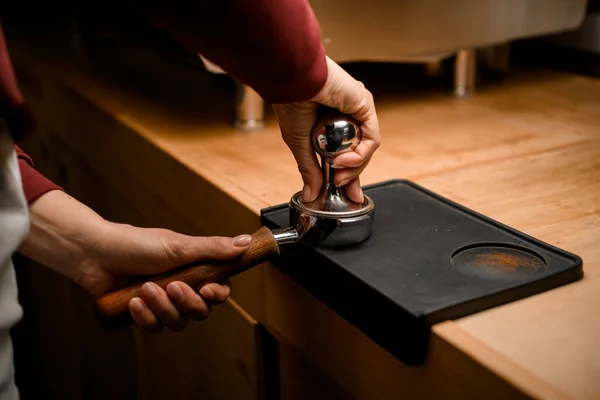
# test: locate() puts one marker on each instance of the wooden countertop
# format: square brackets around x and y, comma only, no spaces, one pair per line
[525,152]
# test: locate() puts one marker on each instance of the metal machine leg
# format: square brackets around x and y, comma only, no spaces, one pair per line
[249,109]
[464,72]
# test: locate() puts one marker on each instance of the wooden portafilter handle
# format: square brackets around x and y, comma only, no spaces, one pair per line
[112,309]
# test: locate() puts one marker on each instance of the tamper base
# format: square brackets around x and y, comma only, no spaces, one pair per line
[332,229]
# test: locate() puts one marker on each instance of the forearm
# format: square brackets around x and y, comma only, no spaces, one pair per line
[71,239]
[62,233]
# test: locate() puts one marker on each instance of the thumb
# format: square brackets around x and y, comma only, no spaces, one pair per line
[216,247]
[296,121]
[184,249]
[309,168]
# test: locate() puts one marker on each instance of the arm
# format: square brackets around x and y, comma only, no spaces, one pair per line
[72,240]
[273,46]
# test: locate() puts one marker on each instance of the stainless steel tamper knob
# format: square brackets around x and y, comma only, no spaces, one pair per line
[334,133]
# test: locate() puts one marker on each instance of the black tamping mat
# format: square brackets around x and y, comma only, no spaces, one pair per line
[427,260]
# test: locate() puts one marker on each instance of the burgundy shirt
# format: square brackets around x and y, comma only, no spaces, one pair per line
[273,46]
[34,183]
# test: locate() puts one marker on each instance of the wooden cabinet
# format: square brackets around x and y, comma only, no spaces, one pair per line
[219,358]
[300,378]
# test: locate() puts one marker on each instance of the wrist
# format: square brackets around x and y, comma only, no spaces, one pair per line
[328,86]
[89,268]
[65,236]
[97,272]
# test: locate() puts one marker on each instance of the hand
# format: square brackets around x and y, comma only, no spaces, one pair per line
[129,250]
[71,239]
[296,120]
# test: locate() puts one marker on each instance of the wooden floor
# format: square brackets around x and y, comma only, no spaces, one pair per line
[525,152]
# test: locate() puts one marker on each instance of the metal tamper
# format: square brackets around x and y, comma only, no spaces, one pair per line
[332,219]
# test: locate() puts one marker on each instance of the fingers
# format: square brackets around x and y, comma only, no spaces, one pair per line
[313,180]
[173,308]
[187,249]
[344,176]
[349,178]
[218,247]
[216,293]
[309,169]
[143,317]
[162,307]
[156,308]
[359,157]
[354,191]
[350,96]
[189,304]
[363,152]
[370,141]
[296,121]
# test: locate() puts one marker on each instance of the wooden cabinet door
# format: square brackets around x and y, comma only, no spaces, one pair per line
[300,378]
[218,358]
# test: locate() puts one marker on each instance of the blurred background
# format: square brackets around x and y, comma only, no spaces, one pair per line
[456,46]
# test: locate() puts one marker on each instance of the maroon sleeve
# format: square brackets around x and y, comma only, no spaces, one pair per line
[34,183]
[273,46]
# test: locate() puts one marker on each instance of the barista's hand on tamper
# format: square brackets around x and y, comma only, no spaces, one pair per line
[341,91]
